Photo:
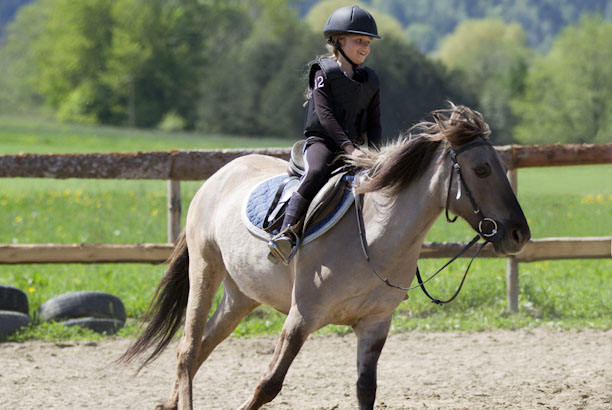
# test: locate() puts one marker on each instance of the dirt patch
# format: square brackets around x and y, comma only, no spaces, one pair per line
[526,369]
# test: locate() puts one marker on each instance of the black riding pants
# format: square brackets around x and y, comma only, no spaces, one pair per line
[319,161]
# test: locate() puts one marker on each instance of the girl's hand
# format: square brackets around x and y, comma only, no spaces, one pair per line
[355,152]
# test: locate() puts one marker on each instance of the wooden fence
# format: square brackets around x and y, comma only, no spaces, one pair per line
[175,166]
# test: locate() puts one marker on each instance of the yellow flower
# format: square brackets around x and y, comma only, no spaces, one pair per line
[599,199]
[18,219]
[31,290]
[154,212]
[4,201]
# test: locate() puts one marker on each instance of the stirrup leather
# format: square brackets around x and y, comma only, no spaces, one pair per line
[284,246]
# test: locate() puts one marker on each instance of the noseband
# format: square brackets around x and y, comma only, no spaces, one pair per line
[488,229]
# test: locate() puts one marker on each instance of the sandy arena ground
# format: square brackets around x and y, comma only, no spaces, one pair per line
[526,369]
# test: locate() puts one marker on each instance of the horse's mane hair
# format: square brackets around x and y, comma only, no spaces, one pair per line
[401,162]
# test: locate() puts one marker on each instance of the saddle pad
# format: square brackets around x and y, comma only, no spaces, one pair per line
[261,196]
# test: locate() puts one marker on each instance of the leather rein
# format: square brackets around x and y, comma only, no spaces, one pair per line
[488,229]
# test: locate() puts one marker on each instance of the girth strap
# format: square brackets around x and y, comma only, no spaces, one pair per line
[267,225]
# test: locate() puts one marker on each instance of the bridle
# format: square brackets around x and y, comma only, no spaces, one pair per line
[496,230]
[492,234]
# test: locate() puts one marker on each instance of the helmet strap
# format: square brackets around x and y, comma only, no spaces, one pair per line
[338,47]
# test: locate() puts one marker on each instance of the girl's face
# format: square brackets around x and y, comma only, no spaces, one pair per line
[356,47]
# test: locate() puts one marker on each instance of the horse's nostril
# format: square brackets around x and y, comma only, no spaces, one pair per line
[517,236]
[520,235]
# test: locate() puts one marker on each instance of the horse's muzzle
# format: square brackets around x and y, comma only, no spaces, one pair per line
[510,241]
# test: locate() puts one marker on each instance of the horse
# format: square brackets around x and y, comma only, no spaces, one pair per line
[328,281]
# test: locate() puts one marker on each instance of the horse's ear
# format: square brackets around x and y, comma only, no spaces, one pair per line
[458,115]
[440,120]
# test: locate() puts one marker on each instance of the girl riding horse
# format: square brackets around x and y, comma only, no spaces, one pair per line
[343,113]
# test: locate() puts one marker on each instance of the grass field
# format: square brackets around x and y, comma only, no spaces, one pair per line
[570,201]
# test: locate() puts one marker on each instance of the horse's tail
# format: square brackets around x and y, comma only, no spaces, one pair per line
[167,308]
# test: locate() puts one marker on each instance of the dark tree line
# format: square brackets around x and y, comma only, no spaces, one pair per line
[427,22]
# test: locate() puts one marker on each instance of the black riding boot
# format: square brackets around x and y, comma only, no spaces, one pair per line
[283,246]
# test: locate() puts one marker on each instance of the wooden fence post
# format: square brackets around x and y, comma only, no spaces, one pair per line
[512,269]
[174,210]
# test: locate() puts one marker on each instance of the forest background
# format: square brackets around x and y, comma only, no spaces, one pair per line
[540,71]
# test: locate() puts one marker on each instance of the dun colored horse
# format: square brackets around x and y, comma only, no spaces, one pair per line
[447,163]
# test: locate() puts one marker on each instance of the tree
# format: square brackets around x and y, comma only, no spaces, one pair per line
[71,57]
[424,36]
[568,93]
[542,20]
[269,100]
[156,58]
[8,8]
[493,55]
[18,69]
[412,85]
[257,86]
[117,61]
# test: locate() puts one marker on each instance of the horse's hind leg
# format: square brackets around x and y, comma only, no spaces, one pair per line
[291,340]
[205,277]
[234,306]
[371,337]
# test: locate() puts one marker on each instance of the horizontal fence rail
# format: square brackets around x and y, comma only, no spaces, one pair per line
[200,164]
[192,165]
[535,250]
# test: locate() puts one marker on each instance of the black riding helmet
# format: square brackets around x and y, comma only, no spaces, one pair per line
[349,19]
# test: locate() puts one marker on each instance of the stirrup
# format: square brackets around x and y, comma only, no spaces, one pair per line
[283,246]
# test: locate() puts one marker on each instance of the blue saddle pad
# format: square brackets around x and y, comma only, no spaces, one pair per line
[259,200]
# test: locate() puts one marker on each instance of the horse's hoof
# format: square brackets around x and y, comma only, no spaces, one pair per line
[166,406]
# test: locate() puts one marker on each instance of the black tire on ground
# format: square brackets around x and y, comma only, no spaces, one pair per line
[10,322]
[108,326]
[83,304]
[13,299]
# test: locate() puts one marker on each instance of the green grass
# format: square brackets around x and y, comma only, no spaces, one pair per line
[570,201]
[38,135]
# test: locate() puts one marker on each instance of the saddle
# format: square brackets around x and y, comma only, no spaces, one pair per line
[324,205]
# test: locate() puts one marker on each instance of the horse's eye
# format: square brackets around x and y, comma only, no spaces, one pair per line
[482,171]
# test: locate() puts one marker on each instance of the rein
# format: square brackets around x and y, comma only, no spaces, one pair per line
[494,233]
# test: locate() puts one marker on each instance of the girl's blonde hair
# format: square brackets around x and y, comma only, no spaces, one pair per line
[333,51]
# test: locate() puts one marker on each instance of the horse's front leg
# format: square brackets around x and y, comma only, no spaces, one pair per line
[371,336]
[291,340]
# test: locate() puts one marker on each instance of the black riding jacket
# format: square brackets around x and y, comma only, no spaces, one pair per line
[342,110]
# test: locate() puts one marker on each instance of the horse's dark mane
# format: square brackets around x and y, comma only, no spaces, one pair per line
[398,164]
